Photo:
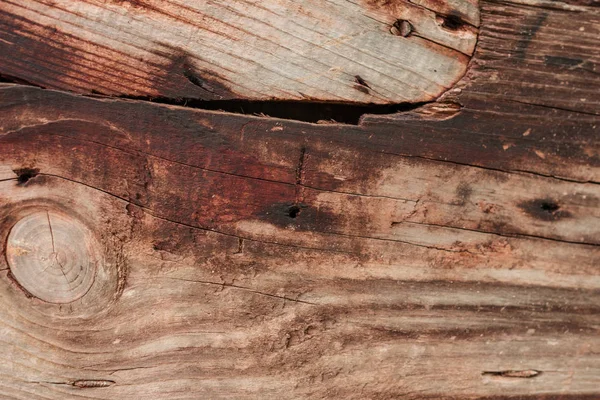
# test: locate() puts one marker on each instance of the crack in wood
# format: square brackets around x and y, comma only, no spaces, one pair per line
[229,285]
[300,177]
[151,213]
[80,383]
[506,234]
[304,111]
[526,374]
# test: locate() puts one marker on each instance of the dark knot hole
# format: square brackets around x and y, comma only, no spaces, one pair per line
[451,22]
[25,174]
[549,206]
[293,211]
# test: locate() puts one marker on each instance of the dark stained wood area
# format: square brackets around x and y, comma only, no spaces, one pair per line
[447,251]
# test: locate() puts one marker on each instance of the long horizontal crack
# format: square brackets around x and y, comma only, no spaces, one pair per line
[245,289]
[554,107]
[507,235]
[507,171]
[321,112]
[324,112]
[151,213]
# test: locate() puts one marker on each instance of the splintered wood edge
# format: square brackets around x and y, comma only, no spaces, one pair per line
[360,51]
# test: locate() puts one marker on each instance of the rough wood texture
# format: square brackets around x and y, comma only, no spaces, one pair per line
[338,50]
[450,252]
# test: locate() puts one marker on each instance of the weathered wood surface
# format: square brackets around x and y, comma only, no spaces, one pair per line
[366,51]
[450,252]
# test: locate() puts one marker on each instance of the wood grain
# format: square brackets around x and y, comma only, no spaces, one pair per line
[392,268]
[337,50]
[450,252]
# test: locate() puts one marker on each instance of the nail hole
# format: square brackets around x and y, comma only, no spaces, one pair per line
[450,22]
[549,207]
[25,174]
[545,209]
[293,211]
[361,85]
[361,81]
[401,28]
[191,76]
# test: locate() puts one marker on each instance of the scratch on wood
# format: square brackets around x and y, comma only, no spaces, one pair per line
[240,249]
[92,383]
[300,176]
[528,373]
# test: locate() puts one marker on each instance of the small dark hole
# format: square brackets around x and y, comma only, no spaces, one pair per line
[294,211]
[361,81]
[549,206]
[25,174]
[451,22]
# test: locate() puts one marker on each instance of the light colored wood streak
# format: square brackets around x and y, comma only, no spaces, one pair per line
[241,49]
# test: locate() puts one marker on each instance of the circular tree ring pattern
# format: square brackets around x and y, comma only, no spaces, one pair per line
[53,256]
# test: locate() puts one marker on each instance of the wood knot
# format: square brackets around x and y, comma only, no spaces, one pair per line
[53,256]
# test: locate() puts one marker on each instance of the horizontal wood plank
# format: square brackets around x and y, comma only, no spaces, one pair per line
[339,50]
[392,266]
[447,252]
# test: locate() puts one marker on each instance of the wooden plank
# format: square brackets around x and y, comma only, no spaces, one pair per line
[338,50]
[387,274]
[448,252]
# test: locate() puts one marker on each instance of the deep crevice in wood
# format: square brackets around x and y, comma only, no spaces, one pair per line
[304,111]
[13,79]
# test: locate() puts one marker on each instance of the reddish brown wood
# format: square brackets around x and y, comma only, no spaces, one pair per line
[446,252]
